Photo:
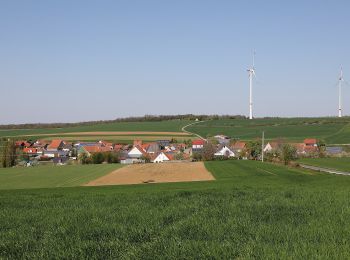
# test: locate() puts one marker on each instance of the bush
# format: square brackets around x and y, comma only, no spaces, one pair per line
[98,158]
[197,156]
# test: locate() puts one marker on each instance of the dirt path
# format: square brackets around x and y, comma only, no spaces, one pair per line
[155,173]
[326,170]
[190,133]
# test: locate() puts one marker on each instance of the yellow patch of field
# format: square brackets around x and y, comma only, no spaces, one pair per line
[155,173]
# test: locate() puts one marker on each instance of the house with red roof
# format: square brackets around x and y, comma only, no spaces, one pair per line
[238,146]
[55,145]
[310,142]
[272,146]
[197,145]
[22,144]
[137,152]
[32,151]
[91,149]
[161,157]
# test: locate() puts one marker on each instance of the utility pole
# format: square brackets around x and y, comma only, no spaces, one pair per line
[262,146]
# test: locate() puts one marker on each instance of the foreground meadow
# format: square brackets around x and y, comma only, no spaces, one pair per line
[52,176]
[252,210]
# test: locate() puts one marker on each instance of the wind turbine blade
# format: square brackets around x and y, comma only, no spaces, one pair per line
[346,83]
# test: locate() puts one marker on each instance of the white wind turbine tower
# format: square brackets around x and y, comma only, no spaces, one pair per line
[340,112]
[251,73]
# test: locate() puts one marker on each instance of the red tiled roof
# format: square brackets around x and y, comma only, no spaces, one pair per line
[275,145]
[145,146]
[55,144]
[170,156]
[198,142]
[309,141]
[30,150]
[92,149]
[118,147]
[239,145]
[143,151]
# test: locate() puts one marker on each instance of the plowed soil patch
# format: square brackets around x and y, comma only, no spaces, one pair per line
[155,173]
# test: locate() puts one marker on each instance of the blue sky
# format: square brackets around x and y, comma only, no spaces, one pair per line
[67,61]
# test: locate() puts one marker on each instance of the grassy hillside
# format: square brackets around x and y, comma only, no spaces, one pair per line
[52,176]
[253,210]
[333,130]
[341,164]
[160,126]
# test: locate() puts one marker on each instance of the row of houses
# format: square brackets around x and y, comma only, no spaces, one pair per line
[308,147]
[60,151]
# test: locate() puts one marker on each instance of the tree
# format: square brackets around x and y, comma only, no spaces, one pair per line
[208,151]
[179,156]
[321,145]
[173,141]
[254,149]
[111,157]
[84,158]
[288,153]
[98,158]
[146,158]
[8,153]
[197,156]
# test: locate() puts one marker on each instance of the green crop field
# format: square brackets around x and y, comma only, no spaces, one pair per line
[52,176]
[161,126]
[332,130]
[252,210]
[341,164]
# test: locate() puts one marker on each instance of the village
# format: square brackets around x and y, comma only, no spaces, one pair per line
[219,147]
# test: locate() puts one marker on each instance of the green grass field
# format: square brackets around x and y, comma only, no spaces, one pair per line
[341,164]
[161,126]
[52,176]
[252,210]
[332,130]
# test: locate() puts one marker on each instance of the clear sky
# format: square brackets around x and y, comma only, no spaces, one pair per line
[67,61]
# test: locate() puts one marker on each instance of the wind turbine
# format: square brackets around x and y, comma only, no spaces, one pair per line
[340,112]
[251,73]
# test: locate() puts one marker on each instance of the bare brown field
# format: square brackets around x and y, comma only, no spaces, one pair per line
[155,173]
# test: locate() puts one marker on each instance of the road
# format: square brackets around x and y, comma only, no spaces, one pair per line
[326,170]
[197,122]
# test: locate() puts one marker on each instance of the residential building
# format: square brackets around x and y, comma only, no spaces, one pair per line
[224,151]
[197,145]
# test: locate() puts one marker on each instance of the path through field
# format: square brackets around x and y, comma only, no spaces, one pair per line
[155,173]
[191,133]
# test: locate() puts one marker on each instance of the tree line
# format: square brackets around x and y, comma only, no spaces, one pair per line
[146,118]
